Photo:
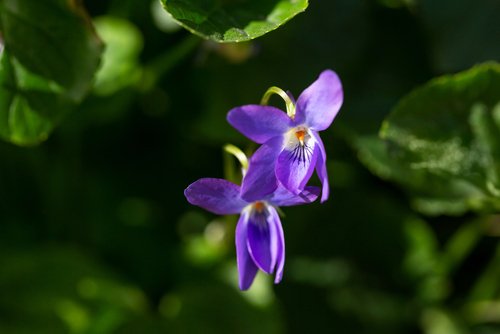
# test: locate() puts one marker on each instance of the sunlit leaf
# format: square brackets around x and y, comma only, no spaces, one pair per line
[450,196]
[233,21]
[442,143]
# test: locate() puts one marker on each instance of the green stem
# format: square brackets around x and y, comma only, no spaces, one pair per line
[290,105]
[238,154]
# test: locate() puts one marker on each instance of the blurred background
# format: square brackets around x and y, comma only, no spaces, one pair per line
[97,237]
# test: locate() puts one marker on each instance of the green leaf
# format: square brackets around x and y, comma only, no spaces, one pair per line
[233,20]
[30,106]
[120,60]
[62,290]
[443,140]
[46,67]
[449,196]
[195,300]
[54,39]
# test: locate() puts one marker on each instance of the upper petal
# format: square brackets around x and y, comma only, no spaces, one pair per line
[318,105]
[259,123]
[295,166]
[260,179]
[321,168]
[283,197]
[262,241]
[215,195]
[246,267]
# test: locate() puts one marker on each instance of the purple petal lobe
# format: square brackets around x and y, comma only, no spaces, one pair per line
[280,258]
[260,179]
[215,195]
[283,197]
[321,168]
[263,239]
[318,105]
[246,267]
[295,166]
[259,123]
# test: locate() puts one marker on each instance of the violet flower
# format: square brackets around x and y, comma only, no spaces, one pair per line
[291,148]
[259,236]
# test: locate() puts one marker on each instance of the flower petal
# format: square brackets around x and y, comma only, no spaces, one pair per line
[280,259]
[318,105]
[246,267]
[262,239]
[215,195]
[260,179]
[295,166]
[259,123]
[321,167]
[283,197]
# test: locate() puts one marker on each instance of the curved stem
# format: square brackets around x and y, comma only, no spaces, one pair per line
[238,154]
[290,105]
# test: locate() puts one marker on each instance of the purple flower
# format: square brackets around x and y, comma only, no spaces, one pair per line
[259,236]
[292,148]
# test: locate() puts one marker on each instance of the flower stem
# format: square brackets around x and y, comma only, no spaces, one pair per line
[238,154]
[290,105]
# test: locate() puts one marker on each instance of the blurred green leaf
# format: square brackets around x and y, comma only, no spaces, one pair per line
[62,291]
[437,321]
[423,262]
[487,286]
[120,60]
[47,65]
[211,304]
[30,106]
[162,19]
[422,255]
[442,143]
[233,20]
[54,39]
[450,196]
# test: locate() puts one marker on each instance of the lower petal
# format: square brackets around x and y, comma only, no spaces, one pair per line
[246,267]
[283,197]
[321,168]
[280,258]
[262,240]
[295,166]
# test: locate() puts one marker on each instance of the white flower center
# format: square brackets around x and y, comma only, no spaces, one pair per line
[300,144]
[258,212]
